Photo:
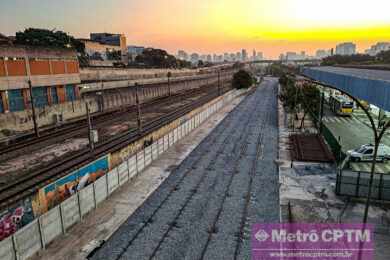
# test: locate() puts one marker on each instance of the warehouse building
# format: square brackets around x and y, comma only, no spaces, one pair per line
[53,73]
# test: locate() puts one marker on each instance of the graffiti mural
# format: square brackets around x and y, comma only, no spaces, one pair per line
[54,193]
[11,220]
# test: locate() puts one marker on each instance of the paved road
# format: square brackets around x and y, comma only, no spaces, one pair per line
[205,208]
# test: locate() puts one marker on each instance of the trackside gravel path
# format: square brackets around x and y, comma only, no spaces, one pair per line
[205,208]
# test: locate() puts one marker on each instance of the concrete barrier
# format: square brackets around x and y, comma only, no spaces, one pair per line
[7,251]
[132,164]
[166,142]
[112,180]
[160,145]
[175,135]
[70,211]
[28,240]
[123,172]
[140,161]
[180,132]
[87,200]
[101,191]
[51,225]
[171,138]
[155,150]
[148,156]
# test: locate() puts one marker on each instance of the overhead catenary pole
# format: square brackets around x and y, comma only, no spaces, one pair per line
[219,82]
[139,121]
[36,128]
[90,139]
[169,74]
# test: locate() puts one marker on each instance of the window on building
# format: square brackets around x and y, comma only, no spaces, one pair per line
[40,96]
[70,93]
[54,95]
[16,101]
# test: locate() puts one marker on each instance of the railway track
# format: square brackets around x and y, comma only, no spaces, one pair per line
[27,184]
[80,127]
[205,207]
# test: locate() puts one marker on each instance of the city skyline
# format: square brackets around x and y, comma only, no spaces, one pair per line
[217,27]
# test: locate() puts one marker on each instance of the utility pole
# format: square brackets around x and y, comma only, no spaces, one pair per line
[169,83]
[219,82]
[36,129]
[90,139]
[139,121]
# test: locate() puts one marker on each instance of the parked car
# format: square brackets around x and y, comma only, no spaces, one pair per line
[366,153]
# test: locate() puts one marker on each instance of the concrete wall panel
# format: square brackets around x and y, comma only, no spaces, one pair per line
[154,151]
[87,200]
[70,211]
[175,135]
[132,163]
[100,187]
[180,132]
[7,251]
[51,225]
[112,180]
[171,138]
[148,156]
[123,172]
[166,142]
[28,240]
[160,146]
[140,161]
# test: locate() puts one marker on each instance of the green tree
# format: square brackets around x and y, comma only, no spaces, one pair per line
[303,98]
[384,57]
[48,38]
[52,38]
[156,58]
[242,79]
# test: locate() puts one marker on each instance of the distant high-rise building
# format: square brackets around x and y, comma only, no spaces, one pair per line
[346,48]
[238,56]
[254,55]
[182,55]
[377,48]
[226,56]
[215,57]
[244,55]
[320,54]
[194,58]
[209,58]
[259,56]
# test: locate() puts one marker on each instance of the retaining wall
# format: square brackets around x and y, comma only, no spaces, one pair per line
[43,230]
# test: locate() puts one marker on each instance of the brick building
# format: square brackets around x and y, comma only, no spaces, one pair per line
[54,75]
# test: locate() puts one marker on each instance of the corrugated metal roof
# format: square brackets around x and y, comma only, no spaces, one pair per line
[370,85]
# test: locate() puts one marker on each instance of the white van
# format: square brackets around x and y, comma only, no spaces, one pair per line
[366,153]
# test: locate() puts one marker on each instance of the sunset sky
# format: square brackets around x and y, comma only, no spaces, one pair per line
[210,26]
